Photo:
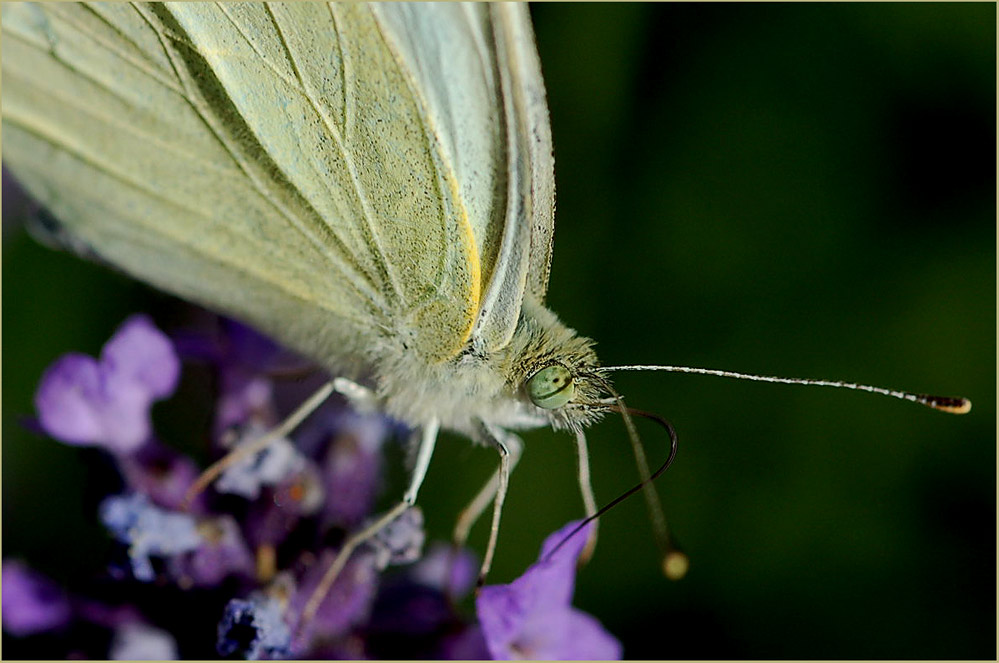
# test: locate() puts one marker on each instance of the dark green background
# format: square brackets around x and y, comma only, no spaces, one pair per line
[799,190]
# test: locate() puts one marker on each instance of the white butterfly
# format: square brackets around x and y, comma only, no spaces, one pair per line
[371,184]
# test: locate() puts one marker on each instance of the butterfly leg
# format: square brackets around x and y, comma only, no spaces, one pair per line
[470,514]
[428,439]
[502,441]
[586,490]
[254,446]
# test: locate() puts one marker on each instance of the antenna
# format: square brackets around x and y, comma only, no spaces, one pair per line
[951,404]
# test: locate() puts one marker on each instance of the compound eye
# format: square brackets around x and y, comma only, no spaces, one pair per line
[551,387]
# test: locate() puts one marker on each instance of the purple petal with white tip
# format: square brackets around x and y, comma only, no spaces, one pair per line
[254,628]
[148,530]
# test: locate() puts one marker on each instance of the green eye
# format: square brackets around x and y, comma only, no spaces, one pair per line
[551,387]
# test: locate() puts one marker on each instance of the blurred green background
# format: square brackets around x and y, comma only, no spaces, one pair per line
[796,190]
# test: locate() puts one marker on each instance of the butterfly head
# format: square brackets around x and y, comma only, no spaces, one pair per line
[556,372]
[571,398]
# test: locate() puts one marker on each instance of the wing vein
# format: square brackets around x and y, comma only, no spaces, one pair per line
[310,96]
[384,265]
[110,45]
[347,97]
[341,260]
[77,103]
[467,234]
[181,238]
[88,75]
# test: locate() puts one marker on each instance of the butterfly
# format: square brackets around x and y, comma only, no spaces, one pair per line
[373,185]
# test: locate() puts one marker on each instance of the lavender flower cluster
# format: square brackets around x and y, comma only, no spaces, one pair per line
[263,535]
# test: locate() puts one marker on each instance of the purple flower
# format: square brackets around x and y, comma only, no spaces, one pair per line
[31,602]
[347,604]
[401,541]
[254,628]
[446,569]
[148,530]
[222,552]
[106,402]
[160,473]
[533,618]
[243,358]
[268,467]
[257,543]
[270,520]
[353,466]
[244,398]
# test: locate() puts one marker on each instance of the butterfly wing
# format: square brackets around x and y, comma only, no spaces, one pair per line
[534,139]
[271,162]
[477,71]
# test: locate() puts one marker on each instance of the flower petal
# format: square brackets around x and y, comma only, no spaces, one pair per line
[161,473]
[148,530]
[141,353]
[66,400]
[106,403]
[532,616]
[353,467]
[223,552]
[125,413]
[31,602]
[348,602]
[446,569]
[587,639]
[400,541]
[244,398]
[502,617]
[268,467]
[254,628]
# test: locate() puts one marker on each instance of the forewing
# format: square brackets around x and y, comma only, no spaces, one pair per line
[268,161]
